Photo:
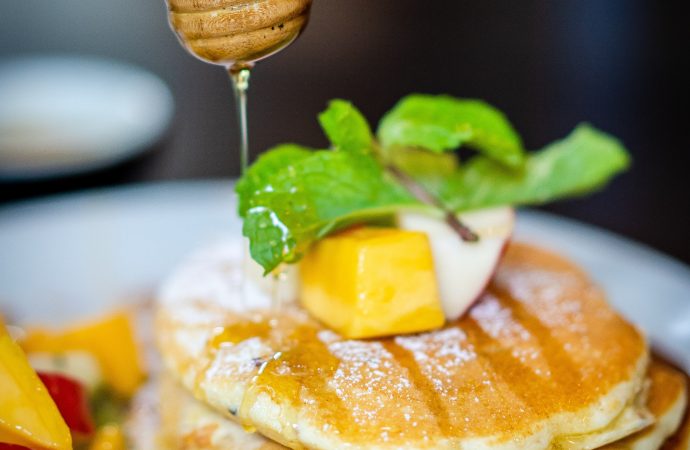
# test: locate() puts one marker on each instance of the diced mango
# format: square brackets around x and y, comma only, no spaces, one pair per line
[110,339]
[369,282]
[28,415]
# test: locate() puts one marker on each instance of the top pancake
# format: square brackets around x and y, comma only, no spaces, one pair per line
[540,357]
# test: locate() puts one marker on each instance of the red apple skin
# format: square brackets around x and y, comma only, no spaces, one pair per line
[465,269]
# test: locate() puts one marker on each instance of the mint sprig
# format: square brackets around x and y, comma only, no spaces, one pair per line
[260,175]
[346,127]
[314,196]
[443,123]
[292,195]
[579,164]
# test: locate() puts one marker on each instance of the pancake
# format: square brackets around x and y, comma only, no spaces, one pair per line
[540,362]
[166,417]
[667,402]
[189,425]
[680,440]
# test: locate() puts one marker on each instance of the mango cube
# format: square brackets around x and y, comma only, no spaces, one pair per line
[370,282]
[109,339]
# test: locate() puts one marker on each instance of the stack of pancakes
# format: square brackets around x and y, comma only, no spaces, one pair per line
[539,362]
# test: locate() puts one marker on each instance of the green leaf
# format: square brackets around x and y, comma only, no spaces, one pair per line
[315,196]
[346,127]
[581,163]
[259,174]
[428,169]
[443,123]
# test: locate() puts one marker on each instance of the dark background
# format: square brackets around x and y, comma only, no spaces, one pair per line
[620,64]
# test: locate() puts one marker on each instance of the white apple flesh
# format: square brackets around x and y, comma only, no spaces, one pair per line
[464,269]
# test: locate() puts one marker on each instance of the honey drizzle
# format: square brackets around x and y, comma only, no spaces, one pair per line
[302,373]
[296,373]
[433,400]
[241,331]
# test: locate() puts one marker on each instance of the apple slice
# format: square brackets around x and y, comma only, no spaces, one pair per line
[463,269]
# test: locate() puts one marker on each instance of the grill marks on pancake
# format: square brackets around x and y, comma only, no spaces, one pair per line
[498,322]
[521,351]
[564,373]
[500,360]
[477,401]
[421,381]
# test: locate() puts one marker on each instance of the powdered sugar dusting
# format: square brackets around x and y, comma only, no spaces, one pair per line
[439,354]
[214,275]
[238,361]
[450,344]
[366,379]
[555,298]
[328,336]
[497,321]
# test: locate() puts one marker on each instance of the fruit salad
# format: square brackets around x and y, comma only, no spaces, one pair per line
[68,388]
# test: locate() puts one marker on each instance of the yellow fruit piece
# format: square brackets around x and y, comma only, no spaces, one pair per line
[28,415]
[369,282]
[110,340]
[109,437]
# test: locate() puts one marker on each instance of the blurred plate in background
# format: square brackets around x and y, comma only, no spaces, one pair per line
[80,254]
[63,115]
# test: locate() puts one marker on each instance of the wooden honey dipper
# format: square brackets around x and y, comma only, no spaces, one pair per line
[237,33]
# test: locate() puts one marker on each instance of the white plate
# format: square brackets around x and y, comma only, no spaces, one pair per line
[62,115]
[73,255]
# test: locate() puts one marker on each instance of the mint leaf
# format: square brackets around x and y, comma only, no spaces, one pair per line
[346,127]
[314,196]
[259,174]
[430,170]
[582,162]
[443,123]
